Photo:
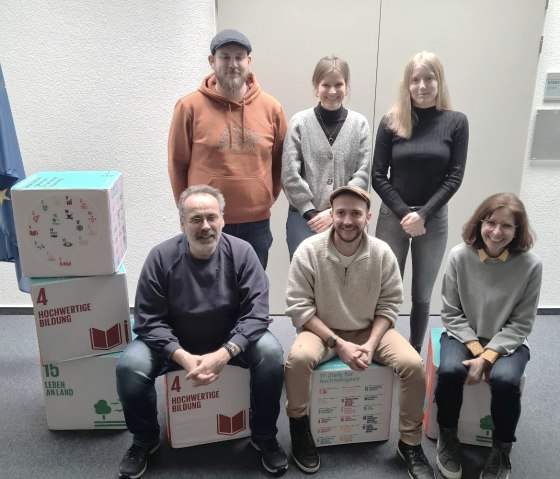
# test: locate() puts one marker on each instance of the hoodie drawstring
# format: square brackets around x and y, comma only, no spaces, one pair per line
[243,121]
[229,125]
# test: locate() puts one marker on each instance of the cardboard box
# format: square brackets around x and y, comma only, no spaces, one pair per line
[70,223]
[475,422]
[81,316]
[82,394]
[348,406]
[217,412]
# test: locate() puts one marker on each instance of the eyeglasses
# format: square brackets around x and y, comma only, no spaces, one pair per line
[505,227]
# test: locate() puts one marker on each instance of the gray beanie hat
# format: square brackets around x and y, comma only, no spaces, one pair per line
[225,37]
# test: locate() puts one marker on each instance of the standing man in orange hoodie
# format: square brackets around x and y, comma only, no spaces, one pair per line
[229,134]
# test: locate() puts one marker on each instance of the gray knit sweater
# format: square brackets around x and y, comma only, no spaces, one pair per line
[491,300]
[312,168]
[343,298]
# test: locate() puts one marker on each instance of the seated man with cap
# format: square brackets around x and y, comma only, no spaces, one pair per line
[343,295]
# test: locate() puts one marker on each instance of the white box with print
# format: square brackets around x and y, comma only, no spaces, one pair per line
[212,413]
[70,223]
[349,406]
[82,394]
[81,316]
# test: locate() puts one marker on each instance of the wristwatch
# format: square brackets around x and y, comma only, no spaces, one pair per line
[231,349]
[331,342]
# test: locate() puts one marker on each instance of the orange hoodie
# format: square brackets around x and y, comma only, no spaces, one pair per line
[233,146]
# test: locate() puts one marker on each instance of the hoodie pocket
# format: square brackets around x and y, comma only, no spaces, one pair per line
[244,195]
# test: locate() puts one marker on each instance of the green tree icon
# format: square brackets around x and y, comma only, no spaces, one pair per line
[487,424]
[101,407]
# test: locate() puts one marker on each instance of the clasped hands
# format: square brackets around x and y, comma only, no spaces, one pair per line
[478,369]
[357,357]
[320,222]
[413,224]
[206,368]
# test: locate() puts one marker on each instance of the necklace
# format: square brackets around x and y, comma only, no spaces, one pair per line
[338,125]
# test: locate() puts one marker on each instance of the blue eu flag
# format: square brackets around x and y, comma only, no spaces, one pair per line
[11,170]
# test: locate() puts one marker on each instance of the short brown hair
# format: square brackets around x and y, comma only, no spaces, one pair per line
[524,236]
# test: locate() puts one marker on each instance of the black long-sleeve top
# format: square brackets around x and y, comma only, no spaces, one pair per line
[198,304]
[425,170]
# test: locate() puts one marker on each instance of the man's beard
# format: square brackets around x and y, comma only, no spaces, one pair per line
[231,84]
[355,234]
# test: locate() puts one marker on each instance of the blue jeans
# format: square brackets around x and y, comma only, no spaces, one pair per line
[139,366]
[296,231]
[427,253]
[505,378]
[256,233]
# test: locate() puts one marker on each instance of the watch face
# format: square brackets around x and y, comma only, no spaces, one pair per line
[331,342]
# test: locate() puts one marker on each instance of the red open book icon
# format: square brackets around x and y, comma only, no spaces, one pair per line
[229,426]
[105,339]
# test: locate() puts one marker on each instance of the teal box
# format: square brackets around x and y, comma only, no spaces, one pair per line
[70,223]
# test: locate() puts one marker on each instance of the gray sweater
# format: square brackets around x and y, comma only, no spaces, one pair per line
[494,301]
[312,169]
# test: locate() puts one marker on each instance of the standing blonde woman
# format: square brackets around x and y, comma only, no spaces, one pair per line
[325,147]
[418,165]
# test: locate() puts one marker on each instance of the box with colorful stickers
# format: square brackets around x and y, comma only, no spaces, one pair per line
[81,316]
[349,406]
[82,394]
[70,223]
[475,422]
[212,413]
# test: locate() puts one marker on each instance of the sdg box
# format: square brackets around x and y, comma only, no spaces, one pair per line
[350,406]
[212,413]
[81,316]
[70,223]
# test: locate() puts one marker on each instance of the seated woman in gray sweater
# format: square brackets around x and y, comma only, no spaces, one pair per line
[490,297]
[325,147]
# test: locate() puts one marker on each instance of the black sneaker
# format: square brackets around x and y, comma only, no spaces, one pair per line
[498,465]
[448,458]
[304,450]
[416,461]
[274,458]
[135,461]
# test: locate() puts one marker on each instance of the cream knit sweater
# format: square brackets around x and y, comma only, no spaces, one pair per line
[343,298]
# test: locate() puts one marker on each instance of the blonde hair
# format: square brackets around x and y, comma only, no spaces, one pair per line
[400,116]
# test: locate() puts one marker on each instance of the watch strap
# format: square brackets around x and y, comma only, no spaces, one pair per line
[230,349]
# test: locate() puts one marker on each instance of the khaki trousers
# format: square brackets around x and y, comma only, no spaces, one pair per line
[393,351]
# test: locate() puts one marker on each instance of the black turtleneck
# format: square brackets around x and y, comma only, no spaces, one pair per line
[331,121]
[425,170]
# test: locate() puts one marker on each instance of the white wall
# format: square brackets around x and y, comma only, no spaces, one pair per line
[92,85]
[540,188]
[489,87]
[284,68]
